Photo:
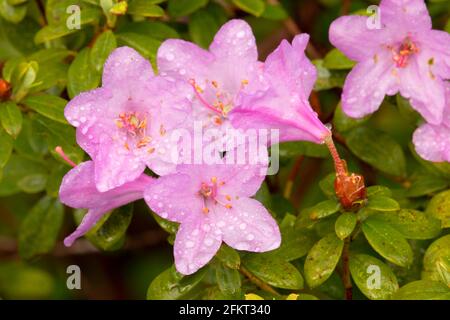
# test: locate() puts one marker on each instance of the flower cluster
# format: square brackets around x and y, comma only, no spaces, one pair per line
[403,56]
[128,125]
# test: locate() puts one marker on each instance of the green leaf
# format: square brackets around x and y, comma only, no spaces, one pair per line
[61,135]
[377,149]
[144,8]
[171,285]
[412,224]
[254,7]
[327,185]
[168,226]
[20,281]
[345,225]
[11,13]
[229,257]
[48,105]
[436,261]
[407,112]
[179,8]
[51,32]
[423,290]
[145,45]
[6,146]
[387,241]
[344,123]
[202,27]
[33,183]
[309,149]
[335,59]
[17,170]
[16,40]
[54,180]
[275,272]
[102,48]
[11,118]
[374,278]
[427,184]
[322,259]
[50,55]
[439,208]
[154,29]
[228,280]
[39,230]
[109,232]
[275,12]
[328,79]
[373,191]
[295,244]
[382,203]
[23,79]
[324,209]
[50,75]
[81,76]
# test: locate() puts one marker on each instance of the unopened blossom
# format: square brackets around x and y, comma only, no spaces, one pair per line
[284,105]
[78,190]
[405,55]
[432,142]
[125,125]
[212,204]
[217,76]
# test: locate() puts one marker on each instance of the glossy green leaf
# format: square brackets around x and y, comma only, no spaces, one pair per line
[296,148]
[145,45]
[427,184]
[81,76]
[412,224]
[294,244]
[275,12]
[322,260]
[202,27]
[373,191]
[154,29]
[40,229]
[229,257]
[436,261]
[228,280]
[387,241]
[49,106]
[324,209]
[423,290]
[344,123]
[171,285]
[6,146]
[439,208]
[11,13]
[254,7]
[328,79]
[382,203]
[11,118]
[102,48]
[179,8]
[377,149]
[327,185]
[345,224]
[144,8]
[374,278]
[109,233]
[276,272]
[335,59]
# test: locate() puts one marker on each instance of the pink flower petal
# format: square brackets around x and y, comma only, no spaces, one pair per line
[433,142]
[405,15]
[175,197]
[248,226]
[179,58]
[363,95]
[351,35]
[125,67]
[89,220]
[196,243]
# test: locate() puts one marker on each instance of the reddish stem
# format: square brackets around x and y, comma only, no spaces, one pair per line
[338,163]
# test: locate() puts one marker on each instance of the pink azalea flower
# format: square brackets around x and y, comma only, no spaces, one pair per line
[125,125]
[212,204]
[218,75]
[78,190]
[433,142]
[284,105]
[404,56]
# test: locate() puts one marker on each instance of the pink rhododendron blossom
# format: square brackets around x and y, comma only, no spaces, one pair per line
[284,105]
[78,190]
[433,142]
[212,204]
[126,124]
[405,55]
[217,76]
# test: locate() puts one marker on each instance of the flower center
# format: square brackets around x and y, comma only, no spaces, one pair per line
[209,192]
[222,102]
[135,126]
[406,49]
